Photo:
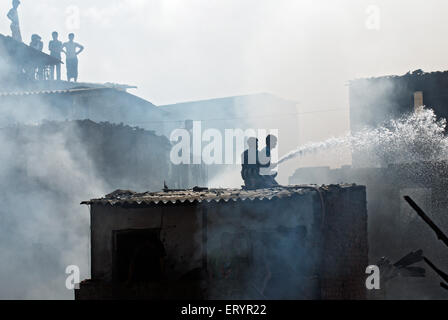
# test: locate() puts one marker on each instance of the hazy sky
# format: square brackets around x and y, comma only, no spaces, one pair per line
[305,50]
[178,50]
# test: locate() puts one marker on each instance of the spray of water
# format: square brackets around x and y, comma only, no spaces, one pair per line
[415,137]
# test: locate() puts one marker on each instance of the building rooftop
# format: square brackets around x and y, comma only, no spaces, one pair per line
[416,74]
[40,92]
[198,195]
[263,96]
[21,54]
[30,87]
[231,108]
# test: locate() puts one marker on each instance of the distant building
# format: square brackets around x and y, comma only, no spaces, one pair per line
[282,243]
[375,100]
[262,110]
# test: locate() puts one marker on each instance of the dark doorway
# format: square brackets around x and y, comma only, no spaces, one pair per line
[138,256]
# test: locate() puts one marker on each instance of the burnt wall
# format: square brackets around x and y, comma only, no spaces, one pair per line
[179,228]
[345,247]
[271,246]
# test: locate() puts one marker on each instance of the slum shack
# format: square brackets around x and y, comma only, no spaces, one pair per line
[295,242]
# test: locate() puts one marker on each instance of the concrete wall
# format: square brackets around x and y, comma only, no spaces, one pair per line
[272,245]
[345,247]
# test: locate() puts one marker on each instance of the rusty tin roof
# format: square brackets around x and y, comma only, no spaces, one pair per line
[127,197]
[130,198]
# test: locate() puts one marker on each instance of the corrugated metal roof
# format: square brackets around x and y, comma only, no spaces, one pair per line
[26,93]
[126,197]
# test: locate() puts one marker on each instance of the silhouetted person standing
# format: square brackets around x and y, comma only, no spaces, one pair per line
[55,47]
[266,167]
[13,15]
[250,171]
[71,51]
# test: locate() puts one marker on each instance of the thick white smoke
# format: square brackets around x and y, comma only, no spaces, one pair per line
[44,176]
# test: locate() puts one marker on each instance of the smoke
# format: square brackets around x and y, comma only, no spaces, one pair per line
[44,176]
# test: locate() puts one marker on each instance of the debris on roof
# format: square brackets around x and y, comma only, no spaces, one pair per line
[130,198]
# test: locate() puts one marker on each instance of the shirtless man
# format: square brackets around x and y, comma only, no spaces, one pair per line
[267,168]
[71,52]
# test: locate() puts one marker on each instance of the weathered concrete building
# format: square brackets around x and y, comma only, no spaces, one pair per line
[297,242]
[375,100]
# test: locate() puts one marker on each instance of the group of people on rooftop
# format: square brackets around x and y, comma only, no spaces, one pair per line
[71,49]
